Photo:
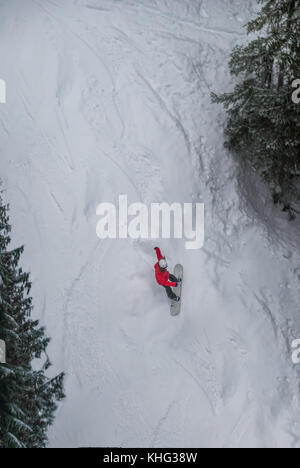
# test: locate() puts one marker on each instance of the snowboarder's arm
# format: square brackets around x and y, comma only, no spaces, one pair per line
[170,283]
[158,253]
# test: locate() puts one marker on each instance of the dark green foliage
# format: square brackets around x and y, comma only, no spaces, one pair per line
[27,396]
[263,123]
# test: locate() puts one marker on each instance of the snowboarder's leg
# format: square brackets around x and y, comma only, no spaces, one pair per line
[170,293]
[173,278]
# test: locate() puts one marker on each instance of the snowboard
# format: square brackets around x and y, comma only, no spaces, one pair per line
[176,306]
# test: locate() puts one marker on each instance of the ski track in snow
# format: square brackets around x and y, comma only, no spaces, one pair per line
[114,97]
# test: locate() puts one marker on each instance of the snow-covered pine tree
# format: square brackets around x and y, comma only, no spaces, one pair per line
[8,411]
[263,123]
[27,396]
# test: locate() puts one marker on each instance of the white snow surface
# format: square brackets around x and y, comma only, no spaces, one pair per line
[106,97]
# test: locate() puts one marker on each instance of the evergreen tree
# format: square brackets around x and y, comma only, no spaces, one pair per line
[27,396]
[263,123]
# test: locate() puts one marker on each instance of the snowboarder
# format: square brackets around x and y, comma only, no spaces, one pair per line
[164,278]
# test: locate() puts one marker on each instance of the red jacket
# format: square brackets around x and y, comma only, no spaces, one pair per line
[162,277]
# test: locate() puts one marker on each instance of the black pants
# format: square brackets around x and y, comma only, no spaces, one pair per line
[170,293]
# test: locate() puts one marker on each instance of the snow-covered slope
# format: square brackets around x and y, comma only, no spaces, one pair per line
[108,97]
